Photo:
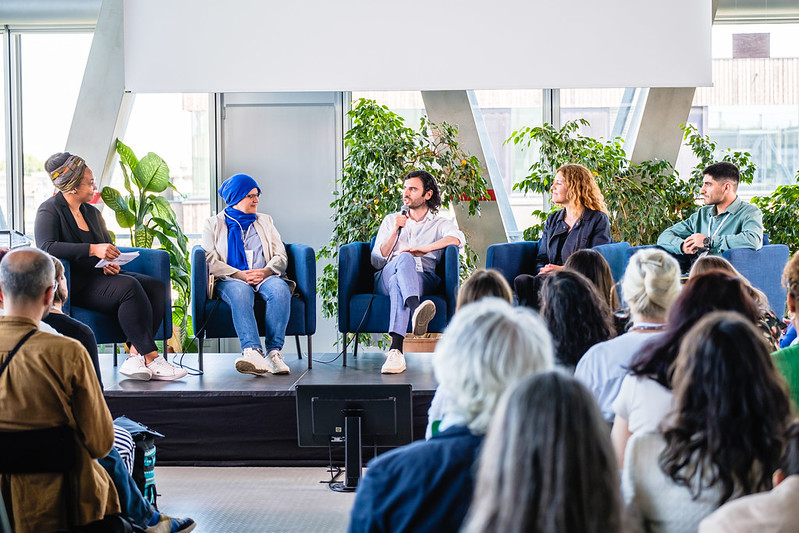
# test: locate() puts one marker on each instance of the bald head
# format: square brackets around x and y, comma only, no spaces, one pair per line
[25,275]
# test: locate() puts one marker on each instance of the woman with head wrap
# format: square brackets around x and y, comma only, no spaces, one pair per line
[246,256]
[70,228]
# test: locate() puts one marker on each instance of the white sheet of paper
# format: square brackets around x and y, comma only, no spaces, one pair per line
[124,258]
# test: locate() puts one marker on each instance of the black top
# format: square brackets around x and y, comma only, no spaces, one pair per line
[57,233]
[592,229]
[74,329]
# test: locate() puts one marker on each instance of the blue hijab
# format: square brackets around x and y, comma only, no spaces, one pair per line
[233,190]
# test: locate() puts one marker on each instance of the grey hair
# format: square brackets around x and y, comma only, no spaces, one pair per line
[26,274]
[651,283]
[488,346]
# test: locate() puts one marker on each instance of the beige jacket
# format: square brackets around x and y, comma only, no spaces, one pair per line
[214,242]
[770,512]
[51,382]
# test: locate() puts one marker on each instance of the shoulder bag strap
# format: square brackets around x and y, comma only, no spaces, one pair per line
[15,349]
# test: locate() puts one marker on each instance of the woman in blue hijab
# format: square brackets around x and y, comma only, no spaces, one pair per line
[246,256]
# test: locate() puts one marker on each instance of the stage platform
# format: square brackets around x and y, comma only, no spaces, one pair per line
[225,418]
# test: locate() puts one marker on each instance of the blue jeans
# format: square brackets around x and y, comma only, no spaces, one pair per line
[400,280]
[241,299]
[134,507]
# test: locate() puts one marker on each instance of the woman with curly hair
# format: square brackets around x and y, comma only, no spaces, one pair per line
[577,317]
[724,438]
[546,465]
[645,396]
[582,223]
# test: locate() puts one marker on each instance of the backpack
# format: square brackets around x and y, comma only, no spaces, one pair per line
[144,457]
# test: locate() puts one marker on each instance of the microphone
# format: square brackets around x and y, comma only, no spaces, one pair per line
[403,212]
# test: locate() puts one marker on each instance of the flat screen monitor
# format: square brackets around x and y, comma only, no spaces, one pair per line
[355,416]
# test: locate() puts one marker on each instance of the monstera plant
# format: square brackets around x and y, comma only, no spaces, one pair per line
[152,220]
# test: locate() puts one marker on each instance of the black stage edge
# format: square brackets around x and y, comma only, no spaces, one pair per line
[224,418]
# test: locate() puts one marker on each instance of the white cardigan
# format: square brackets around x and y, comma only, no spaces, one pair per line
[214,242]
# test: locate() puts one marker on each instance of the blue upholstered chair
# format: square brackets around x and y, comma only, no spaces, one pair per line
[361,310]
[513,258]
[212,317]
[615,253]
[763,268]
[106,328]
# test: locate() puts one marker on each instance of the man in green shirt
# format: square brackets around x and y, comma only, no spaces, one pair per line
[724,222]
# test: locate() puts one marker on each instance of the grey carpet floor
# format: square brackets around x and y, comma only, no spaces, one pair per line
[253,500]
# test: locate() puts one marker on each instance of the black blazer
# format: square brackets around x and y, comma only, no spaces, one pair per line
[57,233]
[592,229]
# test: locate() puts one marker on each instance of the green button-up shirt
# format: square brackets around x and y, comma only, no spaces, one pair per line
[740,226]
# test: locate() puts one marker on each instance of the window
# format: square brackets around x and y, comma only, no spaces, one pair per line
[754,103]
[174,126]
[52,72]
[5,223]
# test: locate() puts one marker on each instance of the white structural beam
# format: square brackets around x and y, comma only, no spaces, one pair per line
[496,219]
[351,45]
[103,106]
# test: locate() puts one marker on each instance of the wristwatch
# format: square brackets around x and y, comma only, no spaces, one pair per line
[706,243]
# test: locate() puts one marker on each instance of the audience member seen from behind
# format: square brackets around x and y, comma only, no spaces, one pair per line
[547,464]
[246,256]
[480,284]
[69,227]
[771,325]
[644,397]
[50,382]
[426,486]
[595,267]
[66,325]
[773,511]
[582,223]
[650,285]
[577,317]
[787,359]
[725,437]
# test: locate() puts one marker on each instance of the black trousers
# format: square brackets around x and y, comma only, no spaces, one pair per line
[136,299]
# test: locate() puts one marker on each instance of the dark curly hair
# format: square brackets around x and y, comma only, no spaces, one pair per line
[576,315]
[731,410]
[714,291]
[428,184]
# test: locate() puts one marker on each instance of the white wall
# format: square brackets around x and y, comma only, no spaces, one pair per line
[318,45]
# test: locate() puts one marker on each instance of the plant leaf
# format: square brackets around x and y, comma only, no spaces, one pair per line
[152,173]
[114,200]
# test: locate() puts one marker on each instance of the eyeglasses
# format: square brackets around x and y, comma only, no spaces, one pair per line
[252,196]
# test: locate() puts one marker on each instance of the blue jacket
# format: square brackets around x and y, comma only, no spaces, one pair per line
[425,486]
[591,230]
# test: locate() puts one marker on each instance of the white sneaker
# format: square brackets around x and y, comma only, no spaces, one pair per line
[134,368]
[252,362]
[163,371]
[395,362]
[275,364]
[422,317]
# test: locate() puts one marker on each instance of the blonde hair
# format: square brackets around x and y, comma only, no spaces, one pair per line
[709,263]
[581,187]
[482,283]
[651,283]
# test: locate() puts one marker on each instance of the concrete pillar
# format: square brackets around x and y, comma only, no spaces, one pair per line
[103,107]
[496,219]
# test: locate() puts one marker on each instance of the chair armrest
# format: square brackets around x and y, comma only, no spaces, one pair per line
[353,265]
[302,265]
[199,284]
[513,258]
[452,267]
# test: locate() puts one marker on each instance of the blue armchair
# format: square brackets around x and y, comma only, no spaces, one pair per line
[513,258]
[763,268]
[361,310]
[106,328]
[212,317]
